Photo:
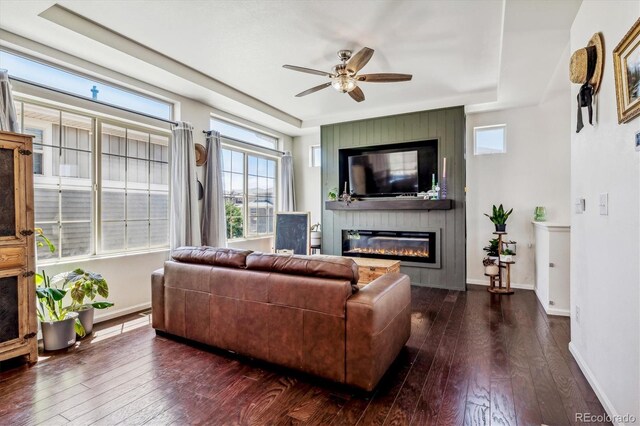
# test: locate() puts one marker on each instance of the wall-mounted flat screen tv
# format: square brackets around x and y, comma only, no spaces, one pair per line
[388,170]
[383,173]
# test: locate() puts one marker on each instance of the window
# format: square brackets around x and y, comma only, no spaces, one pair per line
[36,72]
[490,139]
[314,156]
[135,189]
[243,134]
[131,207]
[249,193]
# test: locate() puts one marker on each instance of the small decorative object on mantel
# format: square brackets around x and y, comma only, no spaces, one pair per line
[201,155]
[333,194]
[443,183]
[499,217]
[586,69]
[626,64]
[346,197]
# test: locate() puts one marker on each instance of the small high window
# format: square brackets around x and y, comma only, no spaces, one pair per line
[314,156]
[46,75]
[490,139]
[243,134]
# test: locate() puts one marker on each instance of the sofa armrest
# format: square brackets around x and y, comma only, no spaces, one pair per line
[378,326]
[157,299]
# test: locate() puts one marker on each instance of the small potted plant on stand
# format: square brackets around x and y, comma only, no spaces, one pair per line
[490,267]
[499,218]
[85,285]
[490,262]
[507,256]
[59,324]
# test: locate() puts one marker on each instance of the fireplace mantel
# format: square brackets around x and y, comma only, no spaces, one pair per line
[397,204]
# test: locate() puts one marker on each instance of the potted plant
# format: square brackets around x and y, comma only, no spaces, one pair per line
[333,194]
[316,235]
[59,324]
[507,256]
[490,267]
[509,245]
[83,288]
[499,217]
[492,249]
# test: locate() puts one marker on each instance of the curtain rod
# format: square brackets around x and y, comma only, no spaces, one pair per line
[84,98]
[248,144]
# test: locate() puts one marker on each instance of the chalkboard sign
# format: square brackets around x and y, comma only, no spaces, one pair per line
[292,232]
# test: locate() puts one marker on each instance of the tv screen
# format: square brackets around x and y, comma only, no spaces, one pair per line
[383,173]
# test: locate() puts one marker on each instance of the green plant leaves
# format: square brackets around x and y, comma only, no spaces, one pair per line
[80,331]
[101,305]
[48,292]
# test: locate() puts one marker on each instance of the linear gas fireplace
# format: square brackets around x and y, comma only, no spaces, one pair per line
[399,245]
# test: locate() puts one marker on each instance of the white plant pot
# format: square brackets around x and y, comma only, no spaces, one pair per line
[316,238]
[507,258]
[491,270]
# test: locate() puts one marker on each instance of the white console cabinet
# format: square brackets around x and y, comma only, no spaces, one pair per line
[552,266]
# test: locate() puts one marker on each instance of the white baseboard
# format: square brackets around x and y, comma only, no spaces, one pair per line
[606,403]
[111,313]
[560,312]
[486,283]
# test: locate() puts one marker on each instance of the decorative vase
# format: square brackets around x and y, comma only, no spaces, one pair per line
[501,228]
[316,238]
[443,188]
[540,214]
[59,334]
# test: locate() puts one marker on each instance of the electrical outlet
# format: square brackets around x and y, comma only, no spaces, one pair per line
[578,314]
[604,204]
[580,205]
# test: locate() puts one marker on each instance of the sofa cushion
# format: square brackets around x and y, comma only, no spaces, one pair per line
[214,256]
[335,267]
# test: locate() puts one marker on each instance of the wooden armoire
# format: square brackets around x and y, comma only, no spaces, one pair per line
[18,321]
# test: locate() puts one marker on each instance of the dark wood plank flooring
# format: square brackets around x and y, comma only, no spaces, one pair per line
[473,358]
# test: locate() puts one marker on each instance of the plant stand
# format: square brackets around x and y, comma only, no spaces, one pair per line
[498,279]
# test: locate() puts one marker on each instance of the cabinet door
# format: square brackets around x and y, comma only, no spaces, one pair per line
[13,220]
[14,324]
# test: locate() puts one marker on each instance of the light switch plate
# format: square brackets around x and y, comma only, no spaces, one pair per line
[580,205]
[604,204]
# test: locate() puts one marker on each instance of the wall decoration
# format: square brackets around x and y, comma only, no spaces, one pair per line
[626,63]
[586,68]
[638,141]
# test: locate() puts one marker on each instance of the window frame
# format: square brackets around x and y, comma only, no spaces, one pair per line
[490,127]
[229,145]
[96,251]
[313,157]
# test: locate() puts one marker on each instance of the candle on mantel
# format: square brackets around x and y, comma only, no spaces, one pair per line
[345,186]
[444,167]
[433,181]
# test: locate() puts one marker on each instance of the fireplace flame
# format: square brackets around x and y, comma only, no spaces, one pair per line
[390,252]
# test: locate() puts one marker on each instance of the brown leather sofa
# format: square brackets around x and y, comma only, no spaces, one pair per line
[302,312]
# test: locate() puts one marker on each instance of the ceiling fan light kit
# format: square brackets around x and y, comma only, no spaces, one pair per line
[345,78]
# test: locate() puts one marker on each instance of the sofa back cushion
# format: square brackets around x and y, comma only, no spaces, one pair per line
[230,258]
[332,267]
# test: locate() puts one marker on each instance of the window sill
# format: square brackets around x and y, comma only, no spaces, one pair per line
[240,240]
[83,259]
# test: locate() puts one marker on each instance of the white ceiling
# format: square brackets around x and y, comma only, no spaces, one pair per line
[484,54]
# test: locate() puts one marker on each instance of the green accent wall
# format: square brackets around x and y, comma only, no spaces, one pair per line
[448,127]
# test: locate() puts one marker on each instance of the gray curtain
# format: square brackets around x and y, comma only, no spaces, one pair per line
[185,223]
[8,117]
[287,188]
[213,214]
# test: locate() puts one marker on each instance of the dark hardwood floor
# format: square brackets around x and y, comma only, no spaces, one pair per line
[473,358]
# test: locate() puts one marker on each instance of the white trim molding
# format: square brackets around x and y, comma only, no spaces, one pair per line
[513,285]
[591,378]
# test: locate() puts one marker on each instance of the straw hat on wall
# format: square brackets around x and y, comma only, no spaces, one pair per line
[579,65]
[201,155]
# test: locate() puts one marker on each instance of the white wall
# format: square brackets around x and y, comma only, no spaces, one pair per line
[533,172]
[308,188]
[605,250]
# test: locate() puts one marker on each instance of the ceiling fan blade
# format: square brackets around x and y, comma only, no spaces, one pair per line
[357,94]
[313,89]
[359,60]
[307,70]
[384,78]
